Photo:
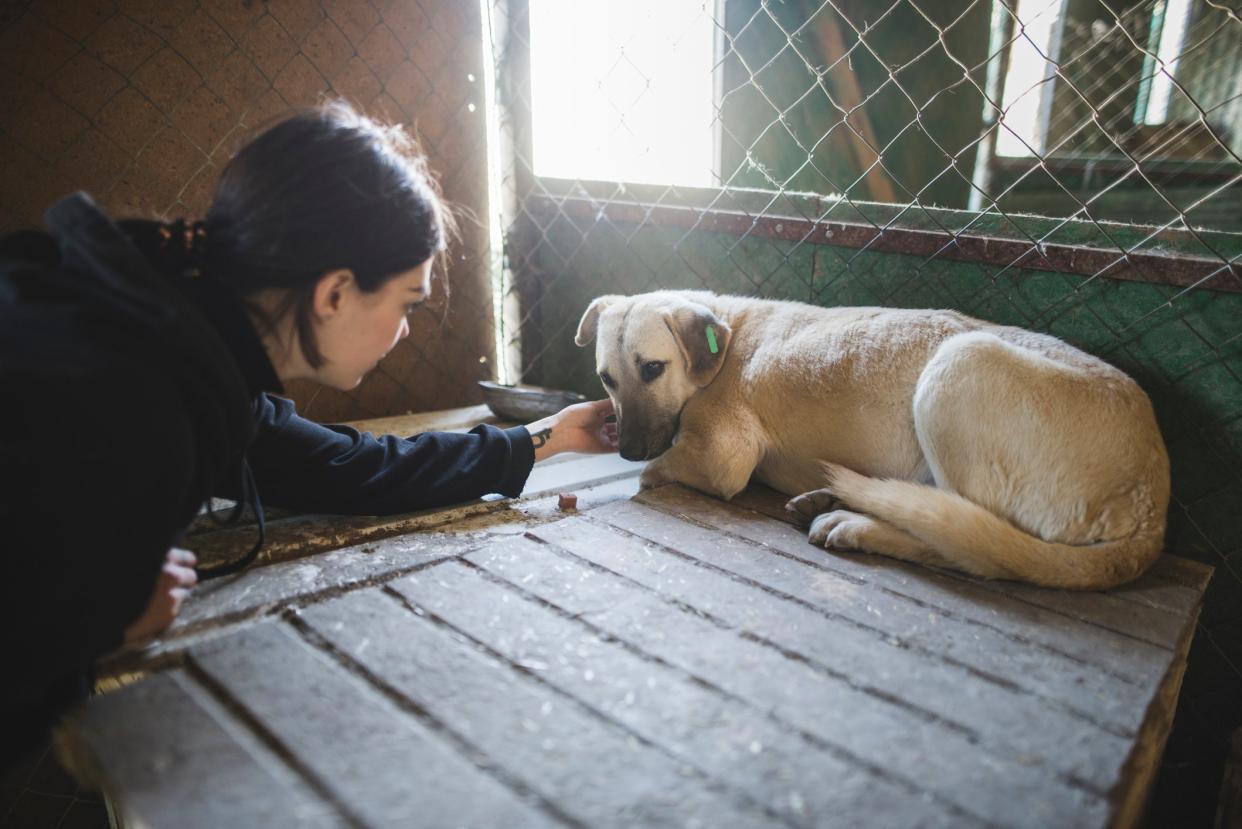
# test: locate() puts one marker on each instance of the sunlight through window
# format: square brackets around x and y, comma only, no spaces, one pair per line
[623,91]
[1028,83]
[1172,16]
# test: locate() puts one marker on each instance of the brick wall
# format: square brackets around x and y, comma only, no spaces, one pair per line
[141,102]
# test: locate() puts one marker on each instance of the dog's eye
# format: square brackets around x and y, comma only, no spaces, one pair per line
[607,380]
[651,371]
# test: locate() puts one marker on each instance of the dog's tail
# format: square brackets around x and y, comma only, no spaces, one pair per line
[982,543]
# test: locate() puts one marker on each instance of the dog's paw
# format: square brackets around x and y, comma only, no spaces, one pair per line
[807,506]
[840,530]
[652,476]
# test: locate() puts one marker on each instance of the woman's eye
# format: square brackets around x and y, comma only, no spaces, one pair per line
[651,371]
[607,380]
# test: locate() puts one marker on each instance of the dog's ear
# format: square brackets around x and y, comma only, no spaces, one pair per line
[589,323]
[703,338]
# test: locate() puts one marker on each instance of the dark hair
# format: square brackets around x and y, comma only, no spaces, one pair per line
[323,189]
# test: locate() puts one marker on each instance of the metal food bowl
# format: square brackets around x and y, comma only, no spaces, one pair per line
[525,403]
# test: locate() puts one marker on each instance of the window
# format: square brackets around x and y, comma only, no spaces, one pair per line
[624,91]
[1029,81]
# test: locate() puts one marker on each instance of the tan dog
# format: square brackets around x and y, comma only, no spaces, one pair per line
[925,435]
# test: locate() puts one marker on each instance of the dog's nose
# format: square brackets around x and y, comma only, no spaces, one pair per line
[633,453]
[633,448]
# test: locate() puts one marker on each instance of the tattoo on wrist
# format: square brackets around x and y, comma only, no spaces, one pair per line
[541,437]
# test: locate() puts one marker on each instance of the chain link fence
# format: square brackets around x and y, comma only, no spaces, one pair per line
[1071,167]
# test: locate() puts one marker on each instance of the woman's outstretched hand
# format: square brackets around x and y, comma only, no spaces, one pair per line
[176,578]
[583,427]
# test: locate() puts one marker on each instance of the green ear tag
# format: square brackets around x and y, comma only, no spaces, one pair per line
[711,339]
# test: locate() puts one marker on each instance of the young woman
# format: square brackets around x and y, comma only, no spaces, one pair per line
[136,360]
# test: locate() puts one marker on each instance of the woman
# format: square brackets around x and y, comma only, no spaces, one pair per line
[135,362]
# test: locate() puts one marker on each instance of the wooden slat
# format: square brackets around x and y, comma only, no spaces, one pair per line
[388,766]
[938,763]
[167,756]
[1181,571]
[1172,584]
[1149,621]
[579,471]
[444,420]
[547,507]
[304,535]
[593,769]
[1078,686]
[869,669]
[1131,793]
[1115,653]
[215,606]
[713,728]
[1156,589]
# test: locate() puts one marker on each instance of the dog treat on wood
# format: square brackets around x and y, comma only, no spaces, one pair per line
[566,501]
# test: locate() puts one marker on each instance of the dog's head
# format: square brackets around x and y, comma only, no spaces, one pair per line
[653,352]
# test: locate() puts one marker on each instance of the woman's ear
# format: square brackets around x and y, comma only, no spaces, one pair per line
[331,292]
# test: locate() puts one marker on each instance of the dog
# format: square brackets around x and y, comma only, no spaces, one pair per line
[925,435]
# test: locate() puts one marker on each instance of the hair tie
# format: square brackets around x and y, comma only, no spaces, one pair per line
[186,243]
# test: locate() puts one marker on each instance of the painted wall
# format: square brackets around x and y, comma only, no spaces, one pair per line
[141,103]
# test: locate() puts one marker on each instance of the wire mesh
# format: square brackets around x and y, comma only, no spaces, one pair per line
[1071,167]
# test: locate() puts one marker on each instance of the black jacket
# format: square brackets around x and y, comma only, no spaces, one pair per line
[127,398]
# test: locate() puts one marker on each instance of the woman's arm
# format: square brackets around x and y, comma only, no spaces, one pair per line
[584,427]
[304,465]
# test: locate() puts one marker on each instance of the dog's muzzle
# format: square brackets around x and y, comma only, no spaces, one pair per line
[634,452]
[643,444]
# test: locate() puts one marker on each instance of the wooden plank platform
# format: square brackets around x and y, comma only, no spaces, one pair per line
[654,659]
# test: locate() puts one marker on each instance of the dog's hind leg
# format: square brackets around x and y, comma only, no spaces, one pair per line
[839,529]
[809,505]
[845,530]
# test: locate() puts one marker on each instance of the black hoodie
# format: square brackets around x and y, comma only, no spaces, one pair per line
[127,398]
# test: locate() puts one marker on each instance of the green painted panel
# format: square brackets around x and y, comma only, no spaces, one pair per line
[1107,235]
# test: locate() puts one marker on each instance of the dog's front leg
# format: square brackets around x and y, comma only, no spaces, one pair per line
[720,465]
[657,472]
